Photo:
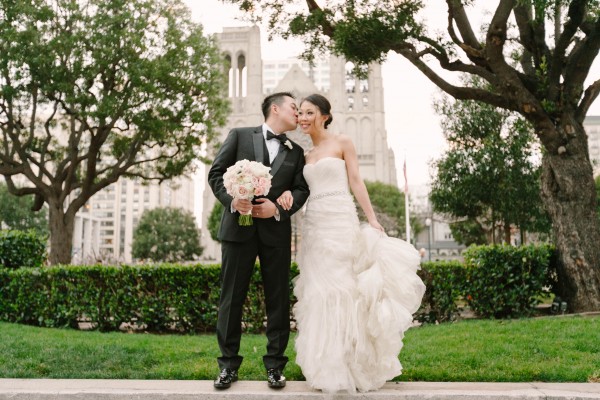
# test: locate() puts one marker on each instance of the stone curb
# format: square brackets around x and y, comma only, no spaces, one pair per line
[97,389]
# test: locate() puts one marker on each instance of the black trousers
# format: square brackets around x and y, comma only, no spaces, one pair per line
[236,270]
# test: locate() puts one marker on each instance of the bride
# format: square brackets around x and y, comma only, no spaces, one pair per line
[357,288]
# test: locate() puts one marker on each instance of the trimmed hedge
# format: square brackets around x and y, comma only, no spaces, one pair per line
[444,281]
[505,281]
[495,281]
[22,249]
[156,298]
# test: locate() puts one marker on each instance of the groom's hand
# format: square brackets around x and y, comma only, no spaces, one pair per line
[242,206]
[264,209]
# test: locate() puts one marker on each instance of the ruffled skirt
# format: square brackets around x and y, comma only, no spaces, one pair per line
[356,292]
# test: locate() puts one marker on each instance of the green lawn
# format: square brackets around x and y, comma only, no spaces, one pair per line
[551,349]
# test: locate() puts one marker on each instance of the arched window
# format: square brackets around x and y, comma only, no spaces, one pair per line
[350,79]
[229,75]
[350,103]
[364,85]
[242,77]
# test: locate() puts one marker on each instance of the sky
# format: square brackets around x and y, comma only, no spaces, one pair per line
[413,128]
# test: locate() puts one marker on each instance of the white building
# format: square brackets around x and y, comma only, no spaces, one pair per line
[436,238]
[86,237]
[119,207]
[591,124]
[274,71]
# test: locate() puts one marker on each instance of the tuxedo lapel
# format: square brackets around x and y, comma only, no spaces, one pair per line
[279,160]
[258,140]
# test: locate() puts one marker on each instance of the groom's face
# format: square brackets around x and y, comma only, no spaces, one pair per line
[288,114]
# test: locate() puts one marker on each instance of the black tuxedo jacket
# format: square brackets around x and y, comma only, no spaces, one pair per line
[248,143]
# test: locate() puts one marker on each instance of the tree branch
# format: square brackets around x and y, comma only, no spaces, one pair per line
[538,26]
[328,29]
[460,93]
[456,66]
[576,15]
[579,63]
[513,88]
[456,8]
[470,45]
[590,94]
[496,38]
[532,54]
[22,191]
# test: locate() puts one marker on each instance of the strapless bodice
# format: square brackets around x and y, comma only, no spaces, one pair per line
[328,183]
[326,175]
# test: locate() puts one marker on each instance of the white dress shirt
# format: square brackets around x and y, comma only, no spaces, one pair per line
[273,145]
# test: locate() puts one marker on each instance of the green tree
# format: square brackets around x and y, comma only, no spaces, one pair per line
[16,213]
[166,234]
[95,90]
[388,203]
[535,55]
[468,232]
[489,176]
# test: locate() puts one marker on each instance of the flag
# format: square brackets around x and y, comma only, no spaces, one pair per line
[406,205]
[405,178]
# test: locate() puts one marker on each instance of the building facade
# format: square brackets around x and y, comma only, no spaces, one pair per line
[357,105]
[118,208]
[86,237]
[591,124]
[435,241]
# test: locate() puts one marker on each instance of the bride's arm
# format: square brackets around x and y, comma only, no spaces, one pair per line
[356,183]
[286,200]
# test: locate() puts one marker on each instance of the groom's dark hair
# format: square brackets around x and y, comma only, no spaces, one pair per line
[275,98]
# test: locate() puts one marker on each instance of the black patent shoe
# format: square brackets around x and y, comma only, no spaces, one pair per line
[275,378]
[225,378]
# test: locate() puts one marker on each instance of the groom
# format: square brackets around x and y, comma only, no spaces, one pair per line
[269,238]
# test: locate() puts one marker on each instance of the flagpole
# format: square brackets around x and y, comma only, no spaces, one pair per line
[406,204]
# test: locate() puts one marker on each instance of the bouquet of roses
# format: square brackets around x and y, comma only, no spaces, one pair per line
[245,180]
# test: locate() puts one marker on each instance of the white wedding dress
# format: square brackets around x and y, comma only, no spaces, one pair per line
[357,290]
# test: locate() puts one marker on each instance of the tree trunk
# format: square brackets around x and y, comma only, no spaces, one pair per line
[569,196]
[507,233]
[61,235]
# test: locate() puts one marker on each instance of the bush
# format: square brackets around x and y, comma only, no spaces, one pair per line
[444,281]
[157,298]
[22,249]
[504,281]
[497,281]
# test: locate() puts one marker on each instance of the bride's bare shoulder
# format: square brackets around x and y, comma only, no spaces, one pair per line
[342,138]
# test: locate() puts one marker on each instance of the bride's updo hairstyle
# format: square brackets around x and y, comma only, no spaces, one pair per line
[322,104]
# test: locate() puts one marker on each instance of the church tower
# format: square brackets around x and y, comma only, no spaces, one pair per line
[358,111]
[240,47]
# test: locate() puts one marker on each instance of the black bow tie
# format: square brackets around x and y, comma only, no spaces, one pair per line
[282,138]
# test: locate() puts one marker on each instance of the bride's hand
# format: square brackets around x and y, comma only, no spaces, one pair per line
[286,200]
[375,224]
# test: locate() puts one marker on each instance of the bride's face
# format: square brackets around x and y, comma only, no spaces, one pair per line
[310,118]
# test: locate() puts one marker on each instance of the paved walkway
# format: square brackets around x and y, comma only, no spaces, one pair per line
[95,389]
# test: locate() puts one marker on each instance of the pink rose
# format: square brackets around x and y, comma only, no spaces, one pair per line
[241,192]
